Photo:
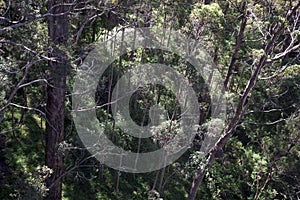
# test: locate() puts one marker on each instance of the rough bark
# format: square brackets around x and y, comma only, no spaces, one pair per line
[58,34]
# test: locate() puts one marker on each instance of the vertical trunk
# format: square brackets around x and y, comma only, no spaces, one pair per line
[3,165]
[58,34]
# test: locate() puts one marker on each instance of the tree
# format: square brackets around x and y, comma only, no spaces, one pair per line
[255,45]
[277,29]
[55,108]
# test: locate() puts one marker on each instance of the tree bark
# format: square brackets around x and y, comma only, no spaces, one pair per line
[239,41]
[58,36]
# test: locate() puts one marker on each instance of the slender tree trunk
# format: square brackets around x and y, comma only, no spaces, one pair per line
[58,35]
[238,43]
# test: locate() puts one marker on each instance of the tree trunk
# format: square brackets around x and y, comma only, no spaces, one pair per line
[58,68]
[195,185]
[3,165]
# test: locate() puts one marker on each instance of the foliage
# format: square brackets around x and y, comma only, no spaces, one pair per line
[261,159]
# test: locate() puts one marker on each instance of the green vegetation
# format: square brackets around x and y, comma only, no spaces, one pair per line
[254,44]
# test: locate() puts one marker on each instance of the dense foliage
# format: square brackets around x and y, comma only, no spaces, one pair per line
[254,45]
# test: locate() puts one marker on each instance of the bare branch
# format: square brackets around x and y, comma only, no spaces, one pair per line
[85,23]
[29,50]
[27,108]
[27,67]
[265,123]
[34,81]
[8,131]
[282,54]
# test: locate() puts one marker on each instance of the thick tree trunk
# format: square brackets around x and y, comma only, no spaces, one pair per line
[58,34]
